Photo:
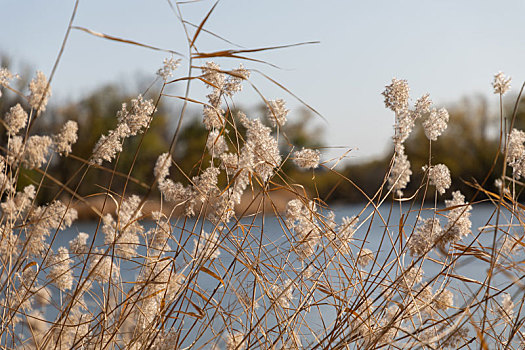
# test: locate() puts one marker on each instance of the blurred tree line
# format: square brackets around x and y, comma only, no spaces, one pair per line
[96,115]
[467,147]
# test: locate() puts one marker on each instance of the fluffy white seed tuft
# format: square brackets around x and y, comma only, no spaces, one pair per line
[39,95]
[501,83]
[60,269]
[435,123]
[15,119]
[307,158]
[424,238]
[396,95]
[277,112]
[400,173]
[66,137]
[439,176]
[169,65]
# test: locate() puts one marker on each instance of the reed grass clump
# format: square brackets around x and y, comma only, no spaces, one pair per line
[199,273]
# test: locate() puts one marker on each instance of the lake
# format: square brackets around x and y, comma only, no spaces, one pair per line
[378,232]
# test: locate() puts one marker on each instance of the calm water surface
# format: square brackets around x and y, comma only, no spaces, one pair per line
[375,233]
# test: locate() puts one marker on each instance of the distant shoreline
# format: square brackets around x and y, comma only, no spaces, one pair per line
[270,203]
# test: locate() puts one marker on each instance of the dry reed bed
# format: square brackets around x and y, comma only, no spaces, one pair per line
[208,276]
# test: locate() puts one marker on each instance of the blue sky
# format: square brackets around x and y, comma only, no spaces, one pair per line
[447,48]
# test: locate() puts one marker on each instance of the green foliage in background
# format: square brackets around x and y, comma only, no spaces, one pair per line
[468,147]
